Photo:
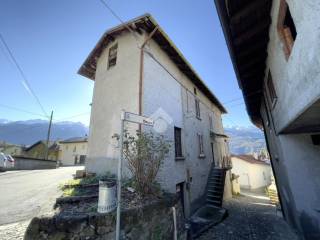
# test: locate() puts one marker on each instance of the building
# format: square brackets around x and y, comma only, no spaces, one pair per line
[143,72]
[11,149]
[253,173]
[274,47]
[38,150]
[73,151]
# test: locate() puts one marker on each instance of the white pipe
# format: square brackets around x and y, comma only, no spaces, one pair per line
[174,223]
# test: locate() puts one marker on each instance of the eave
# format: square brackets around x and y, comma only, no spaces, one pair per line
[147,24]
[245,24]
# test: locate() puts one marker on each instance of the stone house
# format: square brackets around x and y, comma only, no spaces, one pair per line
[73,151]
[274,46]
[253,173]
[38,150]
[136,67]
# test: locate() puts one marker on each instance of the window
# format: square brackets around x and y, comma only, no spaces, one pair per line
[200,140]
[112,59]
[271,90]
[66,147]
[197,105]
[75,149]
[177,142]
[286,28]
[210,123]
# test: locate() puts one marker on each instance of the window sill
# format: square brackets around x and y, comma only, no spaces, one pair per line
[180,158]
[202,156]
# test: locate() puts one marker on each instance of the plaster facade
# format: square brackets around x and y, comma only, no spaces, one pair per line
[295,159]
[72,153]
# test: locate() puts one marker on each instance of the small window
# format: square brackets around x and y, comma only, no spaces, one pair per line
[197,106]
[195,91]
[271,90]
[177,142]
[200,140]
[112,59]
[75,149]
[286,28]
[67,147]
[210,123]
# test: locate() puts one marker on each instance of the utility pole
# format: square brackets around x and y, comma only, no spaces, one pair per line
[48,136]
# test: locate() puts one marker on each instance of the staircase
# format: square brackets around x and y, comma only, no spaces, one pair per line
[215,187]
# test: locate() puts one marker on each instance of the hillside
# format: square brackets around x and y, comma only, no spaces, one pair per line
[245,140]
[30,131]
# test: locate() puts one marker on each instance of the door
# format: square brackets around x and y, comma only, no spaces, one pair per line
[212,151]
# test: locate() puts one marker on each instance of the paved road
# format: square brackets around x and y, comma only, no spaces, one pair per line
[26,194]
[251,217]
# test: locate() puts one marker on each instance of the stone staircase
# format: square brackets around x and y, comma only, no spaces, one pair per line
[215,187]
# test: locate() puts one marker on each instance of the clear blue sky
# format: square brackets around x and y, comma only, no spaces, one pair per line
[51,39]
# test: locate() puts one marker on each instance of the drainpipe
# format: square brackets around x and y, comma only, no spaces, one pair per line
[141,69]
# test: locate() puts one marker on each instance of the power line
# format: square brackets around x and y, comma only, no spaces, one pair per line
[119,19]
[25,81]
[20,110]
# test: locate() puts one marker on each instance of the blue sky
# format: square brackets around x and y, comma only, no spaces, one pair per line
[51,39]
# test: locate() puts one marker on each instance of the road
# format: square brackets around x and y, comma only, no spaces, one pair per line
[26,194]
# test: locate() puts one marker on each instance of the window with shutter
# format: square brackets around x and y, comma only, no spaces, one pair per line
[177,142]
[112,59]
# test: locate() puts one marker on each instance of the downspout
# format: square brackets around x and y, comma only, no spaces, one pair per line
[141,69]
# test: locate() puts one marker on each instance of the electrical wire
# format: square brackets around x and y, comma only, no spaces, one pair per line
[25,81]
[20,110]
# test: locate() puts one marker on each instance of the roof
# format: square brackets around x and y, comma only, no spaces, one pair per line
[147,23]
[75,140]
[245,24]
[52,145]
[250,159]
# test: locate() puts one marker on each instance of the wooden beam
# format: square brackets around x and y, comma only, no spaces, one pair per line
[257,29]
[248,10]
[259,46]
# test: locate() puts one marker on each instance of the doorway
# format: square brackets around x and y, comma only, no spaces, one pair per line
[180,193]
[212,151]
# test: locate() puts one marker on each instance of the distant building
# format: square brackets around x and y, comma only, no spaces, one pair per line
[73,151]
[38,150]
[253,173]
[11,149]
[274,47]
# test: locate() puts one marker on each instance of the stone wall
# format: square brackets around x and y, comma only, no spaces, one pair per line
[152,221]
[26,163]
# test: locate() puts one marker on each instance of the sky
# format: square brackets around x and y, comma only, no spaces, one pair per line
[51,39]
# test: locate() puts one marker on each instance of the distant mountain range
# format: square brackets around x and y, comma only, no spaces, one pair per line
[245,140]
[30,131]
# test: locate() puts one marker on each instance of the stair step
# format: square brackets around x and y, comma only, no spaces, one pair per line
[214,191]
[215,202]
[214,197]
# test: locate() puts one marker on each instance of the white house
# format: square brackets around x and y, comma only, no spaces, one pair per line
[253,173]
[143,72]
[274,46]
[73,151]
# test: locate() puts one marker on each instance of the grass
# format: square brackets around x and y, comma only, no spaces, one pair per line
[70,187]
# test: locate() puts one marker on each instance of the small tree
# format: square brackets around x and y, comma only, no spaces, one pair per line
[145,153]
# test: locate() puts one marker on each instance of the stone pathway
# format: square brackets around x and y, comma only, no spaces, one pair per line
[13,231]
[251,216]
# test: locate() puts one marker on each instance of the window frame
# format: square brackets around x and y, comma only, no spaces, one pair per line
[201,147]
[271,91]
[112,56]
[197,108]
[285,32]
[178,143]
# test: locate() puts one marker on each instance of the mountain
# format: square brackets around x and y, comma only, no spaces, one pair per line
[245,140]
[30,131]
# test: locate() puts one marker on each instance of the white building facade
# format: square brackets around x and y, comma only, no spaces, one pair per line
[253,174]
[73,151]
[145,74]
